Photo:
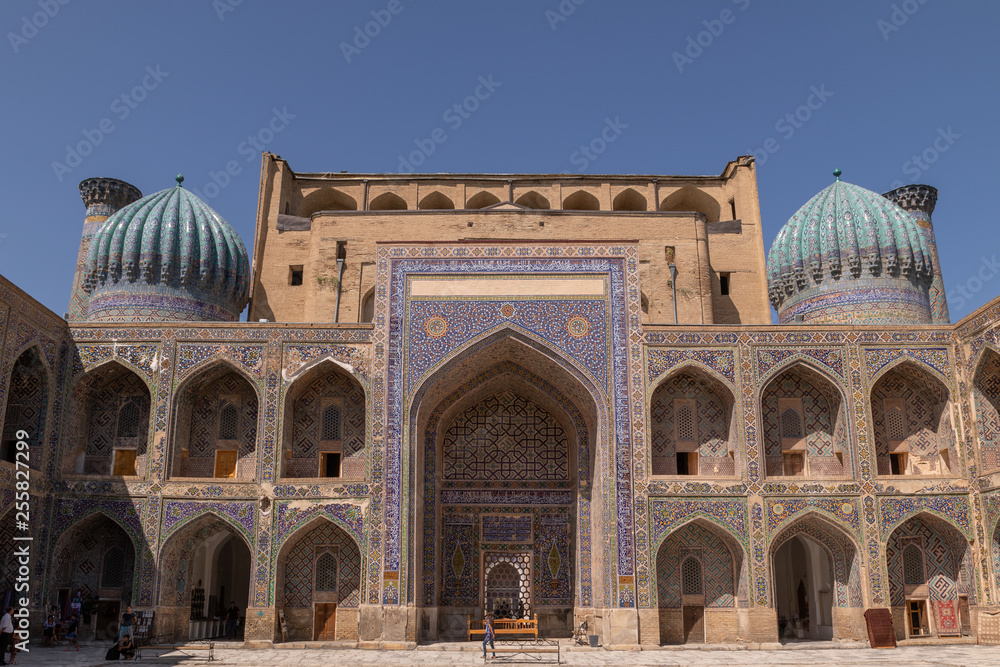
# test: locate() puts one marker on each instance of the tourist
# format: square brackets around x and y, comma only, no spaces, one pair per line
[488,635]
[128,621]
[74,624]
[6,633]
[232,619]
[48,630]
[126,649]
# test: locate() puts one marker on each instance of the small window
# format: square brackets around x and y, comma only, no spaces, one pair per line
[895,424]
[724,284]
[687,463]
[295,275]
[326,572]
[113,570]
[329,464]
[128,421]
[897,463]
[732,206]
[913,565]
[229,419]
[691,577]
[331,423]
[794,464]
[124,463]
[791,423]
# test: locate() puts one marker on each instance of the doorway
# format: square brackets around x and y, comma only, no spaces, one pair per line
[106,626]
[916,618]
[324,621]
[803,578]
[694,625]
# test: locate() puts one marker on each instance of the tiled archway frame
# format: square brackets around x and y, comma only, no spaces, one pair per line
[396,364]
[430,563]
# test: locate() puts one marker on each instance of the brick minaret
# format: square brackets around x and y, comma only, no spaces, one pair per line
[102,197]
[919,201]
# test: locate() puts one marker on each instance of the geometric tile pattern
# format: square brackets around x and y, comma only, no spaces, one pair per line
[205,409]
[712,401]
[717,566]
[300,565]
[944,550]
[986,393]
[27,401]
[306,419]
[107,410]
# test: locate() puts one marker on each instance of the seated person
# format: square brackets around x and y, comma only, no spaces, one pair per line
[126,648]
[48,631]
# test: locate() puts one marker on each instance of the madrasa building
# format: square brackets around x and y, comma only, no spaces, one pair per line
[556,397]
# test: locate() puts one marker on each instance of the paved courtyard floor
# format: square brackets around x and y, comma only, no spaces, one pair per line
[465,654]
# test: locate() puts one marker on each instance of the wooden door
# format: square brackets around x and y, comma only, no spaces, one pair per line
[325,622]
[225,462]
[124,463]
[694,625]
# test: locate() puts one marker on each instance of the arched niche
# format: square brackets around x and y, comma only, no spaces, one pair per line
[533,199]
[629,200]
[387,201]
[27,407]
[581,200]
[689,198]
[986,400]
[482,199]
[436,201]
[326,199]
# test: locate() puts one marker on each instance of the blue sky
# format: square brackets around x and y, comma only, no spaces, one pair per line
[157,88]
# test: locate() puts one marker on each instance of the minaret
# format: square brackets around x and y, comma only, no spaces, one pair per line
[919,201]
[102,197]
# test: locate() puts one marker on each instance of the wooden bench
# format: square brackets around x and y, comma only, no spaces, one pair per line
[536,650]
[160,649]
[505,626]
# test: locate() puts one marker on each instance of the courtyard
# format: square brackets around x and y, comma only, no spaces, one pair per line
[466,653]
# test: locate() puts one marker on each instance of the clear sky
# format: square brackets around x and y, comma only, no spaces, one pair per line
[901,91]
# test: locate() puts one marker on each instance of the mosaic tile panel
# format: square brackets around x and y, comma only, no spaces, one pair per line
[660,361]
[711,432]
[306,415]
[177,513]
[717,567]
[986,398]
[946,560]
[300,566]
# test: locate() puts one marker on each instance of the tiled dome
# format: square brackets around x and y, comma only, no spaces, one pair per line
[167,257]
[848,238]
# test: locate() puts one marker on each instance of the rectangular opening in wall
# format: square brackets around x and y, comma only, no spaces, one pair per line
[687,463]
[724,284]
[793,464]
[124,463]
[295,275]
[915,613]
[341,250]
[732,206]
[225,463]
[897,463]
[329,464]
[945,461]
[8,451]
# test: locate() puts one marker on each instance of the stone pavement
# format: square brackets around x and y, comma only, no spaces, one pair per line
[465,654]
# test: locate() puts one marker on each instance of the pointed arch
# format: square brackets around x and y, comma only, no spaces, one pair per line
[986,403]
[326,199]
[482,199]
[387,201]
[533,199]
[581,200]
[368,307]
[911,421]
[322,385]
[689,198]
[29,394]
[629,200]
[823,449]
[436,201]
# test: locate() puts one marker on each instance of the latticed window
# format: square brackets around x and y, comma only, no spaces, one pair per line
[691,577]
[229,420]
[791,423]
[326,572]
[913,565]
[684,418]
[895,424]
[331,423]
[113,570]
[128,421]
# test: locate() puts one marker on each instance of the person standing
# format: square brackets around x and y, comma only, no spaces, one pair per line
[71,630]
[232,619]
[128,621]
[488,635]
[6,633]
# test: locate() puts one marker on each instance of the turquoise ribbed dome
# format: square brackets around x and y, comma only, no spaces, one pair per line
[167,256]
[844,234]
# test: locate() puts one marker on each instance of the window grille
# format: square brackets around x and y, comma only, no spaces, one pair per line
[113,571]
[895,424]
[331,423]
[913,565]
[128,421]
[691,577]
[685,423]
[791,423]
[229,420]
[326,572]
